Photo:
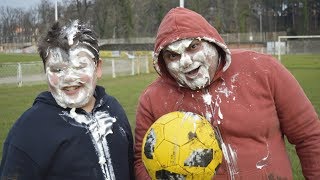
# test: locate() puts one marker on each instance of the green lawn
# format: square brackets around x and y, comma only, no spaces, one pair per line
[14,101]
[9,58]
[306,69]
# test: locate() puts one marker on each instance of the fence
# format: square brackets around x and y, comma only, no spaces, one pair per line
[33,72]
[298,45]
[251,37]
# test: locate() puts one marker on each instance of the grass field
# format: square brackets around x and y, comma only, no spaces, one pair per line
[5,58]
[14,101]
[10,57]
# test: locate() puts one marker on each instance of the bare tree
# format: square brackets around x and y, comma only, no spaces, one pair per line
[29,24]
[45,15]
[314,9]
[140,18]
[102,12]
[148,15]
[9,20]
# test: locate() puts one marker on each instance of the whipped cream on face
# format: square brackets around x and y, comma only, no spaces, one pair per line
[180,46]
[71,76]
[194,69]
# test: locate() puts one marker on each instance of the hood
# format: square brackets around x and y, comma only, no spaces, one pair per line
[181,23]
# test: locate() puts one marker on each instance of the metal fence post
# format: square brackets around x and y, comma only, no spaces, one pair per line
[19,75]
[279,48]
[132,66]
[147,64]
[138,65]
[113,69]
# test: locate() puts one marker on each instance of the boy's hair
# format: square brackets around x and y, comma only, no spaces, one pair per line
[66,37]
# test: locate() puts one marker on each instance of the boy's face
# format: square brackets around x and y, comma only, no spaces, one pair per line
[191,62]
[72,77]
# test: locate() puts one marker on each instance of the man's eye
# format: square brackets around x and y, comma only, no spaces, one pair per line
[171,56]
[194,46]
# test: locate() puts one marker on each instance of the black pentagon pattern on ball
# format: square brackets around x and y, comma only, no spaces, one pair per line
[165,175]
[149,145]
[192,135]
[199,158]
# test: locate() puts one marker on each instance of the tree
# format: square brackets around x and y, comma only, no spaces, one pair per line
[148,15]
[124,20]
[314,16]
[9,21]
[100,21]
[45,15]
[140,18]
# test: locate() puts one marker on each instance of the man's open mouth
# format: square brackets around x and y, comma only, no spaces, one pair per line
[193,73]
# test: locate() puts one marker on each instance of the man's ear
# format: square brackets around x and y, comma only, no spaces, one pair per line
[99,68]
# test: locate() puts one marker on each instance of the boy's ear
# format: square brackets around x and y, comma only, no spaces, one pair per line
[99,68]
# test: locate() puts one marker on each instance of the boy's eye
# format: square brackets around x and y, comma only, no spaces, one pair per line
[79,67]
[56,70]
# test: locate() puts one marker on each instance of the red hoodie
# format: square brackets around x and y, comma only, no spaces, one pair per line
[255,102]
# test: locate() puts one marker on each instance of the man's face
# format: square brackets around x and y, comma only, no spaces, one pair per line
[72,77]
[191,62]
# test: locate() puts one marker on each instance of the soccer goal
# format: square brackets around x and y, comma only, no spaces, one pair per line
[298,45]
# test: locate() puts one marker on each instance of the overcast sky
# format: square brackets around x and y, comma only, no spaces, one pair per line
[21,3]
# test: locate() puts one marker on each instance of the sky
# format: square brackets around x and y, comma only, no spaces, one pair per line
[25,4]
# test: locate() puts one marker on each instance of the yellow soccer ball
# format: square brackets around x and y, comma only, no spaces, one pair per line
[181,145]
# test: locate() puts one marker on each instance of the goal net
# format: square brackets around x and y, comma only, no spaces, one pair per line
[298,45]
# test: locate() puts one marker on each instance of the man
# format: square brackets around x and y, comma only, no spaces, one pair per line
[249,98]
[75,130]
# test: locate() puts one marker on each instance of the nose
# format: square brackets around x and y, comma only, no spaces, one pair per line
[70,75]
[185,61]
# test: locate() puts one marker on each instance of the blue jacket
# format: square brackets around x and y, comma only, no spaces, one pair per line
[47,143]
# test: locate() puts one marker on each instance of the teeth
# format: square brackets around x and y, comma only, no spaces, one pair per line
[70,88]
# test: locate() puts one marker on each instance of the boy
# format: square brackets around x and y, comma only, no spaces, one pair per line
[75,130]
